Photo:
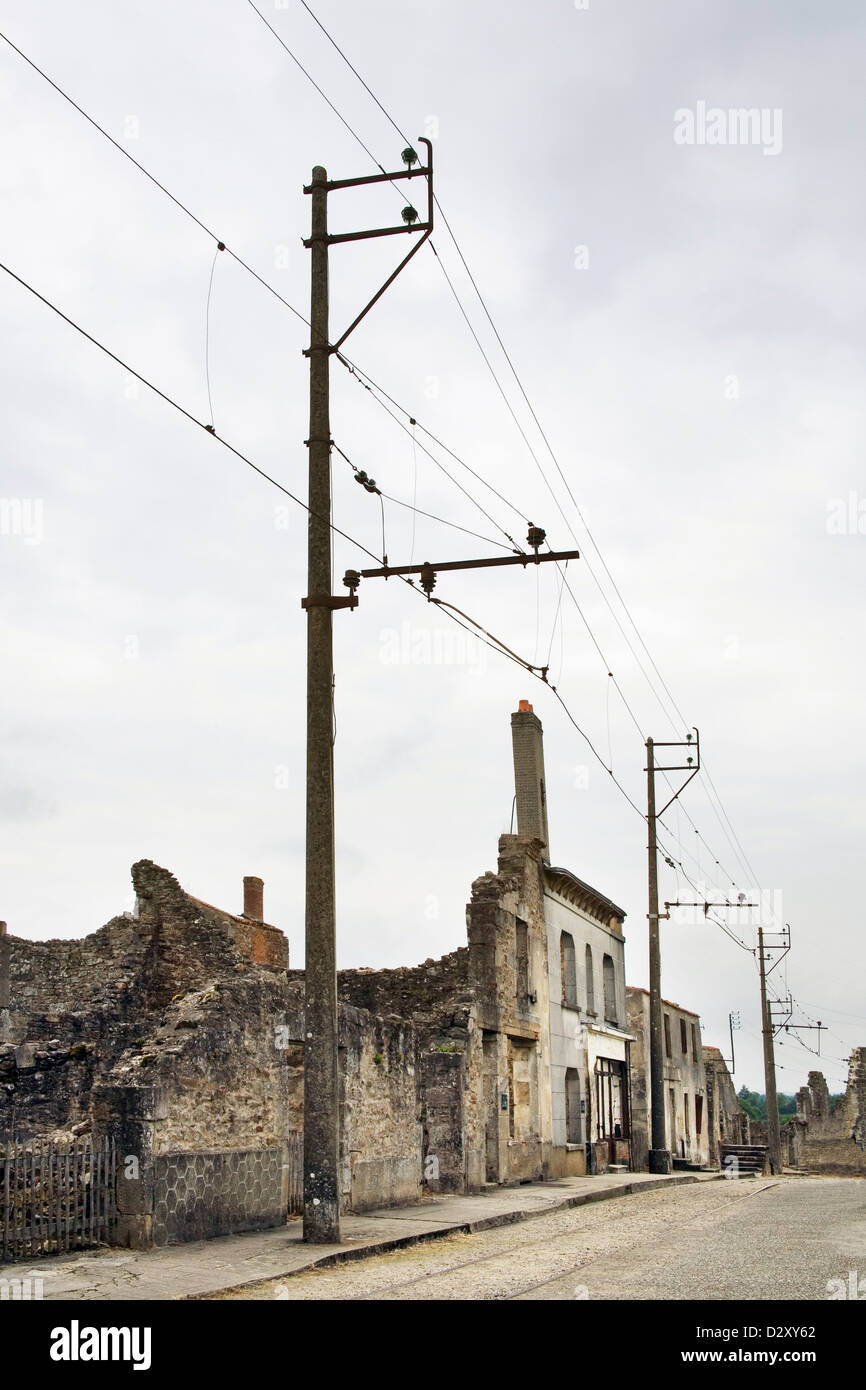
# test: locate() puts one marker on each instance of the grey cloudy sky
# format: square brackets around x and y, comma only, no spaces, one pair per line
[687,321]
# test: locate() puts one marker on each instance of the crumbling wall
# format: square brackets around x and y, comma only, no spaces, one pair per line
[637,1013]
[438,1000]
[727,1122]
[411,992]
[832,1139]
[508,971]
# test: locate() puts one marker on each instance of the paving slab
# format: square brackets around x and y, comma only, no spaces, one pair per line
[200,1269]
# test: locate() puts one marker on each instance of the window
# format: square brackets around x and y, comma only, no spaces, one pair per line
[699,1115]
[568,969]
[590,984]
[522,963]
[686,1116]
[609,980]
[572,1107]
[695,1044]
[667,1035]
[684,1038]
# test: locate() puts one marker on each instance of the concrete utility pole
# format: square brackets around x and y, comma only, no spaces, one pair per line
[321,1071]
[659,1154]
[321,1019]
[773,1134]
[321,1081]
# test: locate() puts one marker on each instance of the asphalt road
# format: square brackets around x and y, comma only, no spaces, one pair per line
[777,1239]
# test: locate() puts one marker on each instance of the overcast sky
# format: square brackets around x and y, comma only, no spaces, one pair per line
[683,299]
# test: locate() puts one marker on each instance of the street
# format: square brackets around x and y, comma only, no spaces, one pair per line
[778,1239]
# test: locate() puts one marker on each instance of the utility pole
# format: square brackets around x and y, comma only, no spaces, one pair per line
[321,1019]
[773,1134]
[733,1022]
[659,1153]
[321,1080]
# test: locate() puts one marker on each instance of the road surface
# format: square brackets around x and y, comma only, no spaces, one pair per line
[752,1238]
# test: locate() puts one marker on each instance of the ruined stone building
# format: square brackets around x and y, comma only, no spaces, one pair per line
[686,1121]
[177,1031]
[727,1122]
[826,1137]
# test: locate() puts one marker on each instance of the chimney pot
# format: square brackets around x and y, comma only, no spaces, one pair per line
[2,928]
[254,898]
[524,707]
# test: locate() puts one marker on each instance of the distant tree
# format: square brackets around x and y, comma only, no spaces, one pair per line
[753,1104]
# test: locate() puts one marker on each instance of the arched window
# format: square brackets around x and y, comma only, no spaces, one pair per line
[572,1107]
[590,983]
[568,968]
[609,973]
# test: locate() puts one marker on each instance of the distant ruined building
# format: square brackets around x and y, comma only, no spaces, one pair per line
[828,1138]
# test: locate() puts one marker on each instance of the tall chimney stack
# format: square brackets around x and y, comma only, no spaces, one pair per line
[528,746]
[254,889]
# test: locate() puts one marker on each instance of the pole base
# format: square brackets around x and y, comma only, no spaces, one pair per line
[659,1161]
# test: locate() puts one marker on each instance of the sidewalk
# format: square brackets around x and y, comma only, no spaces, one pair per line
[205,1267]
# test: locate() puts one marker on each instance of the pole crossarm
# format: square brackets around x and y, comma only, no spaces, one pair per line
[706,906]
[691,766]
[410,220]
[783,1007]
[427,570]
[783,946]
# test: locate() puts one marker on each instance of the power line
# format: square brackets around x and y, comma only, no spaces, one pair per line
[147,174]
[221,245]
[312,80]
[738,850]
[172,402]
[419,510]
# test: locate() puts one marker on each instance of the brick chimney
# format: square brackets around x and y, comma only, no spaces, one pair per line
[528,747]
[254,898]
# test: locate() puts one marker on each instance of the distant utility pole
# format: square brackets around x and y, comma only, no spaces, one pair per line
[321,1072]
[659,1154]
[733,1022]
[771,1025]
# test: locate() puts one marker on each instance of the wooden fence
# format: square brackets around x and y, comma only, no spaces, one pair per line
[55,1197]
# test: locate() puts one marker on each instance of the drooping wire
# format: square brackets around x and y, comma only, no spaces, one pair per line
[207,334]
[398,502]
[414,489]
[739,853]
[303,318]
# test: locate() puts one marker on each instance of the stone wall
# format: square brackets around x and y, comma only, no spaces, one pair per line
[436,998]
[163,1031]
[832,1138]
[727,1122]
[79,1008]
[684,1076]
